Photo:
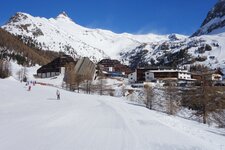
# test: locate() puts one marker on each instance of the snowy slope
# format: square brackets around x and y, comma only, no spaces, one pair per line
[36,120]
[63,34]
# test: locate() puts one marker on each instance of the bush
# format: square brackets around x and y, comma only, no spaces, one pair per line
[219,118]
[5,70]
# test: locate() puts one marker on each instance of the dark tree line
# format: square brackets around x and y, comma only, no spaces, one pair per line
[11,48]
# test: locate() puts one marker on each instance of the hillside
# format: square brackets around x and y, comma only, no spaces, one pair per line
[13,49]
[36,120]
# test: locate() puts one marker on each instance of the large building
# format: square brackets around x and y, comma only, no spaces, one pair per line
[158,73]
[114,67]
[85,67]
[55,67]
[109,62]
[167,74]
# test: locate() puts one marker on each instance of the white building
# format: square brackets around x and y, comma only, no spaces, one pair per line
[145,75]
[132,77]
[167,74]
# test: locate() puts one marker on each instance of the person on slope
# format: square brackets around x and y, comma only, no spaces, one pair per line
[58,94]
[29,88]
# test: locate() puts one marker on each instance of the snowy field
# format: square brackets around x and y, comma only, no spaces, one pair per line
[35,120]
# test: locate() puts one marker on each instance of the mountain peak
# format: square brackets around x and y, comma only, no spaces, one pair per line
[215,20]
[63,15]
[18,17]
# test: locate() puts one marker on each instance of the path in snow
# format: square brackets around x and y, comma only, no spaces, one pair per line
[37,121]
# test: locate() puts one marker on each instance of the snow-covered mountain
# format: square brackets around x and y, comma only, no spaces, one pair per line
[214,23]
[63,34]
[206,46]
[208,50]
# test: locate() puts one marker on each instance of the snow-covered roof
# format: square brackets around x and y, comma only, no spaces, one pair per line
[169,70]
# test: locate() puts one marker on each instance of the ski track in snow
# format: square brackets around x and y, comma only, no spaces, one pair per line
[35,120]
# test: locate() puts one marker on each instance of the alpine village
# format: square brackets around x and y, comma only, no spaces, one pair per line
[80,88]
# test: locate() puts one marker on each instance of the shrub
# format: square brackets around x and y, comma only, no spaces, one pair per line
[5,70]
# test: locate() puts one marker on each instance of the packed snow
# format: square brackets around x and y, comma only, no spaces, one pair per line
[37,120]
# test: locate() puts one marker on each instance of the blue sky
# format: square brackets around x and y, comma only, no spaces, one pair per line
[132,16]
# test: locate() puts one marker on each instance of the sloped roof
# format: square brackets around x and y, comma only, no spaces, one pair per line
[56,64]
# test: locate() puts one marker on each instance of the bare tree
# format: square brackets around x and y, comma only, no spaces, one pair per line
[22,74]
[131,95]
[75,81]
[101,85]
[206,99]
[5,68]
[172,97]
[69,76]
[19,75]
[78,79]
[123,90]
[87,86]
[219,118]
[149,93]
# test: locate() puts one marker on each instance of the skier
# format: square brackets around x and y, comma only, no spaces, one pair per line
[58,94]
[29,88]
